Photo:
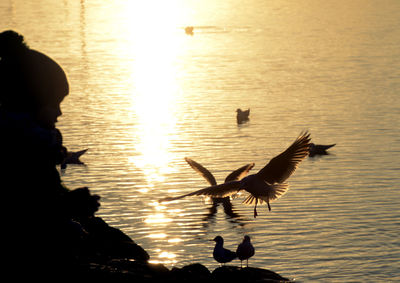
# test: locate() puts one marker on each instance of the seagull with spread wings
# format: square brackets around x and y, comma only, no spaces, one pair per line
[267,184]
[236,175]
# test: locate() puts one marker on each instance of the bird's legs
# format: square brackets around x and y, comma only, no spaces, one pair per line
[255,209]
[269,207]
[247,262]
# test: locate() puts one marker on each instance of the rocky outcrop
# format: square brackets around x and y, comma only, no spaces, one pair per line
[137,271]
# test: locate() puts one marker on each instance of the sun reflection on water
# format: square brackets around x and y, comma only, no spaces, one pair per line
[155,47]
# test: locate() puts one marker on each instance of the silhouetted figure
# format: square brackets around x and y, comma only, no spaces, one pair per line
[189,30]
[221,254]
[245,250]
[319,149]
[267,184]
[242,116]
[72,157]
[43,219]
[32,87]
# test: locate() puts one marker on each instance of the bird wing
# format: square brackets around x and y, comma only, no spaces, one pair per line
[79,153]
[283,165]
[202,171]
[73,156]
[222,190]
[323,147]
[240,173]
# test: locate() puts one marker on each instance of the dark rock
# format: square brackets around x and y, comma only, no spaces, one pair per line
[124,271]
[234,274]
[111,242]
[191,273]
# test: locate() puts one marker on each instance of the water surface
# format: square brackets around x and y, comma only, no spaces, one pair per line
[144,95]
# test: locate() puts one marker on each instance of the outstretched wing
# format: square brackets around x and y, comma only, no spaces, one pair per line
[73,157]
[202,171]
[323,147]
[240,173]
[222,190]
[282,166]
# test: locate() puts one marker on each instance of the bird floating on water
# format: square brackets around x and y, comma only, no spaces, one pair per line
[319,149]
[267,184]
[189,30]
[245,250]
[242,116]
[72,157]
[221,254]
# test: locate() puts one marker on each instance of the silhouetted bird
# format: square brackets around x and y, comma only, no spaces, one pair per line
[245,250]
[73,158]
[235,175]
[319,149]
[242,116]
[189,30]
[221,254]
[267,184]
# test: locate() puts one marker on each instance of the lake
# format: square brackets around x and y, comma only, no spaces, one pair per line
[145,95]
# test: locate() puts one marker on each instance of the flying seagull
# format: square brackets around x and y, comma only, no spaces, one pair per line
[209,177]
[268,183]
[245,250]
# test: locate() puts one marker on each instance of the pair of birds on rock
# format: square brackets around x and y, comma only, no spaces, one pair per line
[244,251]
[266,185]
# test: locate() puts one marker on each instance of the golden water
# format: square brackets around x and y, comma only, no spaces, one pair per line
[144,95]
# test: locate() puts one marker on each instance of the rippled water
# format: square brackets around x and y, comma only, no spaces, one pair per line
[144,95]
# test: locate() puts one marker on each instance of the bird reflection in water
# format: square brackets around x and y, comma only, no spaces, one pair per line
[225,201]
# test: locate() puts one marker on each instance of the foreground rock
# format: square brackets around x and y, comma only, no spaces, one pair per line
[137,271]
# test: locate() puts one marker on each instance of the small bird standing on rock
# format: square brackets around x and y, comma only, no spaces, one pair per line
[242,116]
[245,250]
[221,254]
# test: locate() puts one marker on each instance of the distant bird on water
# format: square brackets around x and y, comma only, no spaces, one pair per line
[189,30]
[245,250]
[319,149]
[221,254]
[72,157]
[267,184]
[242,116]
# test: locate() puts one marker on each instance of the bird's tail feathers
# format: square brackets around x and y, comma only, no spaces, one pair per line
[278,190]
[275,192]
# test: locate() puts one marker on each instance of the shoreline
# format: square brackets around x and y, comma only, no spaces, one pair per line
[123,270]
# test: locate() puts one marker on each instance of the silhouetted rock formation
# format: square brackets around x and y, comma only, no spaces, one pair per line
[128,271]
